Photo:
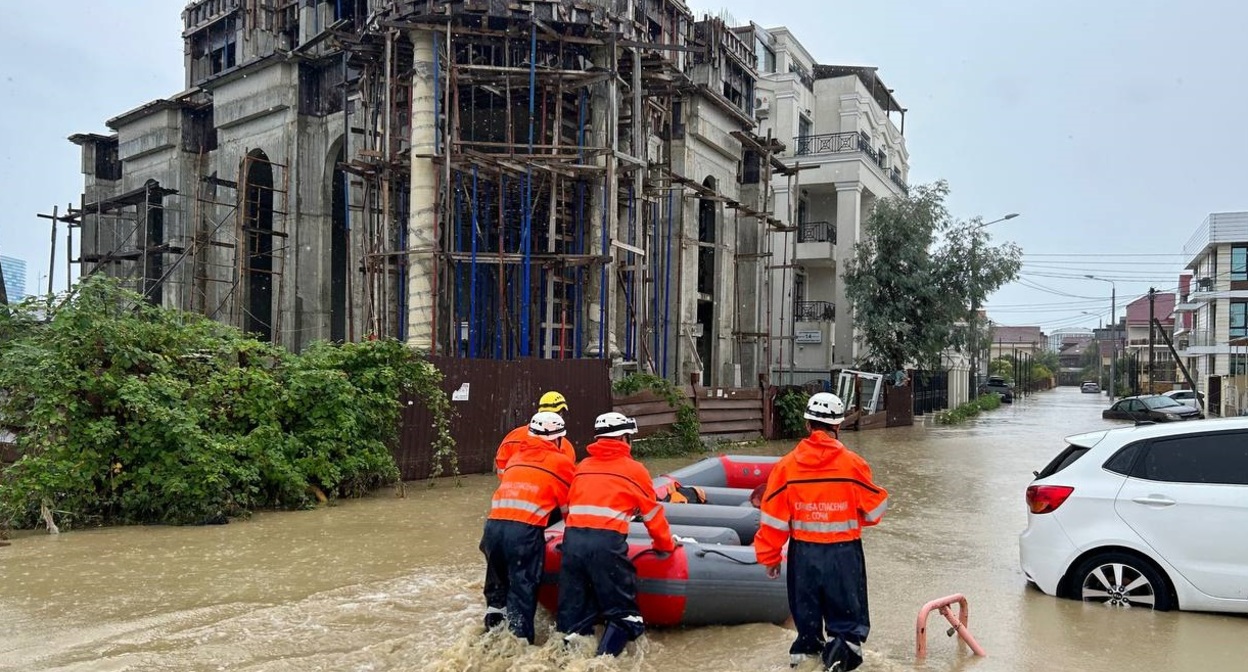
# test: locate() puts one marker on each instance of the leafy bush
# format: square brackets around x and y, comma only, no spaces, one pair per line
[791,406]
[129,413]
[964,412]
[685,434]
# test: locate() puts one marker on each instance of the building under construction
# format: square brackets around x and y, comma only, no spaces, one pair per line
[554,179]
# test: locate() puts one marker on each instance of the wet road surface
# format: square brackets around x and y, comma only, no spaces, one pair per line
[390,583]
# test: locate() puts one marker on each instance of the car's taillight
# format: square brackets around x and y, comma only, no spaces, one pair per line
[1046,498]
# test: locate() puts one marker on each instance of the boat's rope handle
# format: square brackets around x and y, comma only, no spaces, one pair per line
[702,552]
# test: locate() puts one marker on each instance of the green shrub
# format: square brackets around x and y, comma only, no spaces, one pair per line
[129,413]
[685,435]
[791,406]
[972,408]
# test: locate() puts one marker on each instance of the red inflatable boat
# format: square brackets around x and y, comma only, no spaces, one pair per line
[698,584]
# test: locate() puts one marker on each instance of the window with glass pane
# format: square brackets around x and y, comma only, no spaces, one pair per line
[766,57]
[1210,458]
[1239,319]
[1239,263]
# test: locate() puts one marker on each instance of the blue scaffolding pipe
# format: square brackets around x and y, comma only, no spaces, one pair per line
[629,275]
[602,281]
[472,282]
[579,291]
[667,284]
[402,272]
[502,271]
[526,234]
[458,296]
[654,282]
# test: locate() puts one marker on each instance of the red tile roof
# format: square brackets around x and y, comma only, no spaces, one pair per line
[1163,309]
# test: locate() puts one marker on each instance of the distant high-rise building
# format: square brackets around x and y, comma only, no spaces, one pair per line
[14,277]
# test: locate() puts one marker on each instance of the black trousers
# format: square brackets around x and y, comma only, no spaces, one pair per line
[514,556]
[828,594]
[597,583]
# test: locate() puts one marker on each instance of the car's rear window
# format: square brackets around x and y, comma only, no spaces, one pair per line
[1064,459]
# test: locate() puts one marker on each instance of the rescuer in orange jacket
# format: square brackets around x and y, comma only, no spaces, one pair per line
[552,402]
[534,485]
[818,499]
[597,580]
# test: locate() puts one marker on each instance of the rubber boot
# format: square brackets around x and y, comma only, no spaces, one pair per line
[494,617]
[613,641]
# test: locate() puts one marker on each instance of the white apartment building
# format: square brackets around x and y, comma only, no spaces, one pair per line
[1215,345]
[840,128]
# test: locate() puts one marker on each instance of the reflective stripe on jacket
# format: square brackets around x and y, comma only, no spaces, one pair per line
[515,438]
[610,488]
[821,493]
[534,484]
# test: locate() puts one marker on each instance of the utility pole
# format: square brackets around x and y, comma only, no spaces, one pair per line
[1152,295]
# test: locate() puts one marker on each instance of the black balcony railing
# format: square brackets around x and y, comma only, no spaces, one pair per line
[842,143]
[814,311]
[816,232]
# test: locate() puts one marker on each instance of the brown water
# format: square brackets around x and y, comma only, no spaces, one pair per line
[391,583]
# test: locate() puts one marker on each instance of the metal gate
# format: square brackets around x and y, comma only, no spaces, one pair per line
[931,391]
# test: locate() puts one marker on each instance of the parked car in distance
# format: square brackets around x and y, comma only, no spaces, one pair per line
[1144,517]
[998,385]
[1152,407]
[1090,387]
[1186,397]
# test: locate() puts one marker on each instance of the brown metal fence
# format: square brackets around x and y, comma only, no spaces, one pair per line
[500,396]
[722,412]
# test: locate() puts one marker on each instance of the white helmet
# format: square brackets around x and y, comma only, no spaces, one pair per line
[614,424]
[825,407]
[547,425]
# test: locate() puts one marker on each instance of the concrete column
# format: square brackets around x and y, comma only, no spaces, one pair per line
[422,221]
[603,110]
[848,229]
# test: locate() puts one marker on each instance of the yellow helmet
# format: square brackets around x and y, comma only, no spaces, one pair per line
[552,402]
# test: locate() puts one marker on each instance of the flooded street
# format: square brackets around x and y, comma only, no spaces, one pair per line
[393,583]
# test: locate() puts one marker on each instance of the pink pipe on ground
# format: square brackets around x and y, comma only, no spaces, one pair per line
[959,623]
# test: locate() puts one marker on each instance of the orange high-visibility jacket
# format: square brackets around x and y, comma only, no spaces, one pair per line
[610,488]
[511,443]
[534,484]
[821,492]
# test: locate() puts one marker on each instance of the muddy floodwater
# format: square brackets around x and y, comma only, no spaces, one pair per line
[391,583]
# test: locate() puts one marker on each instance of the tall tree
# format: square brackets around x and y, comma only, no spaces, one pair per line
[914,276]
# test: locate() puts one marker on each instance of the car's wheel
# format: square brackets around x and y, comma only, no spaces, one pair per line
[1122,580]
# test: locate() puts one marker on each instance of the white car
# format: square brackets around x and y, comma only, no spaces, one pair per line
[1186,397]
[1154,516]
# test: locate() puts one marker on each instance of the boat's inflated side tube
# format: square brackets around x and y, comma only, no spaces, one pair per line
[696,585]
[724,471]
[726,586]
[726,496]
[741,519]
[703,534]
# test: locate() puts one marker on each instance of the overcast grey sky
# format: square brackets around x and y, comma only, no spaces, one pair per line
[1112,126]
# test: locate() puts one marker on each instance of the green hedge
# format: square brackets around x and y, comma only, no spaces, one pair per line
[964,412]
[129,413]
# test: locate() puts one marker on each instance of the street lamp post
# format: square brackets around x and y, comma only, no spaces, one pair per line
[1113,335]
[974,269]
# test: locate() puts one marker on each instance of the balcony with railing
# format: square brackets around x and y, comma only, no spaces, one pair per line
[814,311]
[1203,342]
[816,243]
[816,232]
[848,143]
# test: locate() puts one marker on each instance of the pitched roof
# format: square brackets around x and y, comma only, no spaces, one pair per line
[1003,334]
[1163,309]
